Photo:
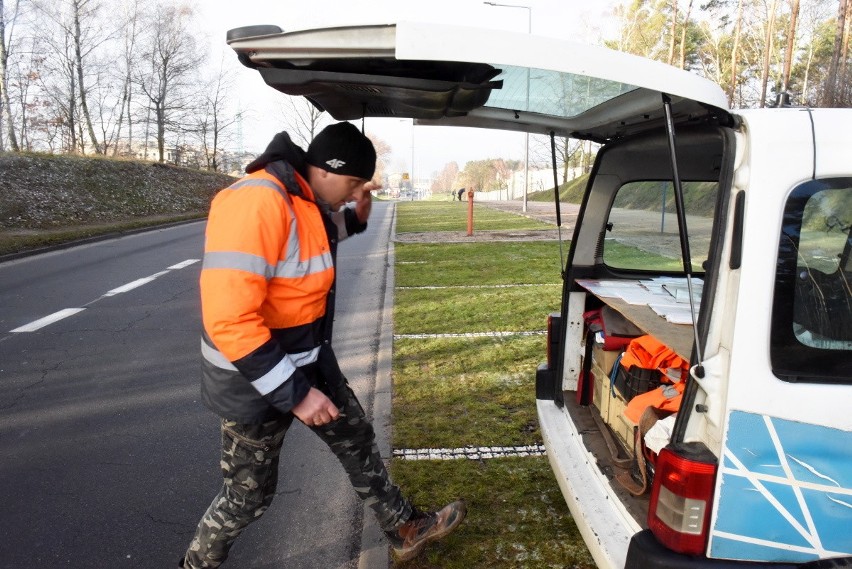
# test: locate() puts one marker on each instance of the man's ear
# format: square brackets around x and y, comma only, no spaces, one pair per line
[315,173]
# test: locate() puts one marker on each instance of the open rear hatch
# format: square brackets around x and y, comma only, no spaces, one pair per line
[447,75]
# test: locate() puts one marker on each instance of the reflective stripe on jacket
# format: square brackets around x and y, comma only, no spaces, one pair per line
[268,268]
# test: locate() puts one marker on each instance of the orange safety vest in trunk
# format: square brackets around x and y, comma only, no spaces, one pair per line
[649,353]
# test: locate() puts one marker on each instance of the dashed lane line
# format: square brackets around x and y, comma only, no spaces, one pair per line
[47,320]
[135,284]
[66,312]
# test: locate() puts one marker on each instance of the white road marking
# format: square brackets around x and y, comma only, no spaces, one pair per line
[183,264]
[50,319]
[66,312]
[135,284]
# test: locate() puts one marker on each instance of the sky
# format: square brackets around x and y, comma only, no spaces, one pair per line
[418,149]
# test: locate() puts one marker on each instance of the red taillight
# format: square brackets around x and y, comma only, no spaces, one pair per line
[681,499]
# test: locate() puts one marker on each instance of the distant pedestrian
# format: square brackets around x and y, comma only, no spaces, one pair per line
[461,193]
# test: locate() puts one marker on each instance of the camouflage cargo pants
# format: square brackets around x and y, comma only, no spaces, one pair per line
[250,456]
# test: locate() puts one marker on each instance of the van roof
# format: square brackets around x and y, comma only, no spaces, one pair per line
[452,75]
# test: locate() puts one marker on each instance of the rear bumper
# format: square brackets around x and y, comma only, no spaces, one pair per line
[645,552]
[605,525]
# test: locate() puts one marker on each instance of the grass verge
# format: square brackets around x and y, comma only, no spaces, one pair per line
[517,517]
[525,262]
[17,241]
[442,216]
[453,392]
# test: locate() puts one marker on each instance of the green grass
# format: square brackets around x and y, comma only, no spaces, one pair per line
[633,258]
[423,216]
[485,386]
[428,264]
[517,517]
[19,241]
[570,192]
[478,391]
[442,311]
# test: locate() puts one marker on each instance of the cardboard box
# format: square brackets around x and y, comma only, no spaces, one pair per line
[600,397]
[620,425]
[604,358]
[626,431]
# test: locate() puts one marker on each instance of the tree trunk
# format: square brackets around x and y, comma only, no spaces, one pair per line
[72,108]
[161,132]
[831,94]
[78,57]
[845,80]
[735,53]
[683,36]
[673,32]
[767,50]
[6,109]
[791,45]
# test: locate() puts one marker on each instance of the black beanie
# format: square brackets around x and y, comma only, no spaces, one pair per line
[342,149]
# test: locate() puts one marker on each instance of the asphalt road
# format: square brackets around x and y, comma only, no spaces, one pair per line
[108,457]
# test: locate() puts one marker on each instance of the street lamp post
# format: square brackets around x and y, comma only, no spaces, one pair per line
[527,134]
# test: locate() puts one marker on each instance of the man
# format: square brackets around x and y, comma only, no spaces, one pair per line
[267,286]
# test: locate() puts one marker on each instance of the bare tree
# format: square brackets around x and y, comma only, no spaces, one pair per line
[791,45]
[173,59]
[833,86]
[214,121]
[5,106]
[77,33]
[383,153]
[83,11]
[683,35]
[673,32]
[767,49]
[302,120]
[735,53]
[130,39]
[444,180]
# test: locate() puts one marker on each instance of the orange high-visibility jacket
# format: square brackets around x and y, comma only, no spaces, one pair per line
[267,273]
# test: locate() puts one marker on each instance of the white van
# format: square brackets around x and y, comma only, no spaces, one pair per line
[721,239]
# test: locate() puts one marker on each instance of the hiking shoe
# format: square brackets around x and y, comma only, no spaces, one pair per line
[410,539]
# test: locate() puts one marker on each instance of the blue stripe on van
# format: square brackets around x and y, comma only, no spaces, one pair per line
[785,493]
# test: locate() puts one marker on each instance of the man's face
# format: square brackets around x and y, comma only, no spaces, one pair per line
[336,190]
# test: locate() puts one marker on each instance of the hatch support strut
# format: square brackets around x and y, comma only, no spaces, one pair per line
[556,199]
[681,222]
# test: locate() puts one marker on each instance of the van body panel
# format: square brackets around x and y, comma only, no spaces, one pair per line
[795,481]
[774,170]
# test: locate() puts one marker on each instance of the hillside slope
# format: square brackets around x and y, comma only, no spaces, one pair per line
[46,199]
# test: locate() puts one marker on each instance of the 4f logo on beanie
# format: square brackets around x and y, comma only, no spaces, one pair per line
[335,163]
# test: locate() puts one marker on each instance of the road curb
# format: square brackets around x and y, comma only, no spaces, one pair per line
[374,547]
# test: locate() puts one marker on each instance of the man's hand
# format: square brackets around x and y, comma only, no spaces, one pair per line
[316,409]
[365,202]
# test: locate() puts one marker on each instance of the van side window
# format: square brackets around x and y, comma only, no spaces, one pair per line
[812,307]
[643,232]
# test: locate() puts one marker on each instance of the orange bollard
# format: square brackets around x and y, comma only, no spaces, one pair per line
[469,213]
